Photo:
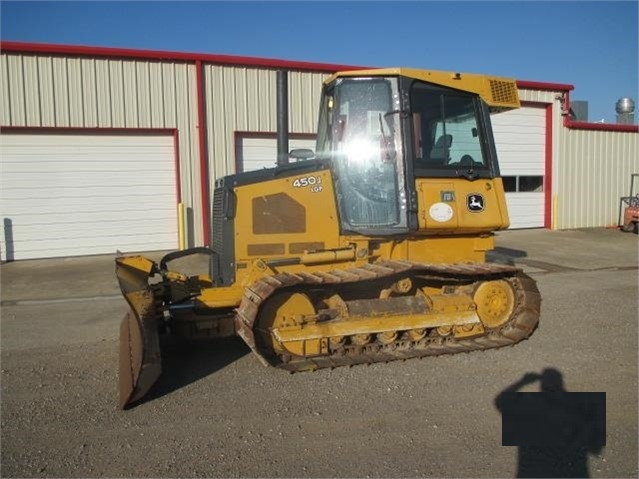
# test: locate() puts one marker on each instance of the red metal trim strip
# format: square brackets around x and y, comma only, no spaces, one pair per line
[91,129]
[548,140]
[204,157]
[178,175]
[548,170]
[536,85]
[83,50]
[583,125]
[586,125]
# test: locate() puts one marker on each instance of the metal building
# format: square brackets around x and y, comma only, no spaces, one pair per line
[104,149]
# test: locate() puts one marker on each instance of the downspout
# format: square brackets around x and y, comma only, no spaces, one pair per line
[204,162]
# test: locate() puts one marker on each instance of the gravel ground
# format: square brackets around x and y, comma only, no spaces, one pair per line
[217,412]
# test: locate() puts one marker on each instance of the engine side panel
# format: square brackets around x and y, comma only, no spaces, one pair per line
[285,217]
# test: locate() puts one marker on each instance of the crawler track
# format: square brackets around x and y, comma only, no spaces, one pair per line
[519,326]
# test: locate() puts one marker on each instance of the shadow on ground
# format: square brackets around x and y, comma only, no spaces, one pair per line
[555,430]
[505,255]
[185,362]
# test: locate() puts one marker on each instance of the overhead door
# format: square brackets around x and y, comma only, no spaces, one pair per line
[82,194]
[255,153]
[520,136]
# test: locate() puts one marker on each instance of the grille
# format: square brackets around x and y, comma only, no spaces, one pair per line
[503,92]
[217,220]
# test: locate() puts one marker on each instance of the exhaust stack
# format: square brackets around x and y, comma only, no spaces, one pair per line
[282,117]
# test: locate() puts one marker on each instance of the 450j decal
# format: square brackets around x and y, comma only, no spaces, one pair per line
[312,182]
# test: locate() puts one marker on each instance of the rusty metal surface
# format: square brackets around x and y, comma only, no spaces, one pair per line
[521,325]
[140,361]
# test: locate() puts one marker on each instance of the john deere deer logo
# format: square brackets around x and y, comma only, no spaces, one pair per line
[475,202]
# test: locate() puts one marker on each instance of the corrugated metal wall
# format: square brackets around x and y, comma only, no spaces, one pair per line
[241,99]
[590,168]
[591,174]
[244,99]
[46,91]
[58,91]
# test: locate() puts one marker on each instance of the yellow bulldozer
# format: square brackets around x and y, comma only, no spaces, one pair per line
[371,248]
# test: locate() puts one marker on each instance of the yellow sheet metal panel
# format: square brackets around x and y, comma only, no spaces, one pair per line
[454,215]
[309,203]
[497,92]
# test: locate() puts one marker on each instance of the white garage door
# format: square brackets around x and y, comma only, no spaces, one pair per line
[520,136]
[82,194]
[258,153]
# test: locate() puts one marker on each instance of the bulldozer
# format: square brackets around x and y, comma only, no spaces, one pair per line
[369,249]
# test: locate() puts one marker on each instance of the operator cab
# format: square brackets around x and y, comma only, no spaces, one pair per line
[381,133]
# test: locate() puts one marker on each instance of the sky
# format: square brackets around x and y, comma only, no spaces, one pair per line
[592,45]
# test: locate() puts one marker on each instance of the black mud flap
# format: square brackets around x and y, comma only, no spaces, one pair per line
[140,358]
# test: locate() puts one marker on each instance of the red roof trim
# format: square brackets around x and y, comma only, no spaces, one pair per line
[536,85]
[583,125]
[586,125]
[82,50]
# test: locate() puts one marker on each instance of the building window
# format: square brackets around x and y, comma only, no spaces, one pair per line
[523,184]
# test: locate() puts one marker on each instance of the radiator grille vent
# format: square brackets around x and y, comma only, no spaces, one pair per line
[504,92]
[217,225]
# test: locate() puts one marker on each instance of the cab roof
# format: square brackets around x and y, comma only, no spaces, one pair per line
[498,92]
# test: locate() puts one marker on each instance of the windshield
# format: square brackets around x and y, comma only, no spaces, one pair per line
[446,131]
[360,131]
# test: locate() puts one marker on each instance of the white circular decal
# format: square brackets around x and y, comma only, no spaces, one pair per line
[441,212]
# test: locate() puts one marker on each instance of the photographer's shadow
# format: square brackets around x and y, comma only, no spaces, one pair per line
[554,430]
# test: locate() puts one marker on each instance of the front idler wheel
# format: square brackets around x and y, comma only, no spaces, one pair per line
[495,302]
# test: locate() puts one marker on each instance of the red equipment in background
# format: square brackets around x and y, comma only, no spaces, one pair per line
[631,209]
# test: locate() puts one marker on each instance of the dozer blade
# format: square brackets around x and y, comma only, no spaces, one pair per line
[140,359]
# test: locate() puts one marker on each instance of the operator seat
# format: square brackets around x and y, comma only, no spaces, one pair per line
[440,153]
